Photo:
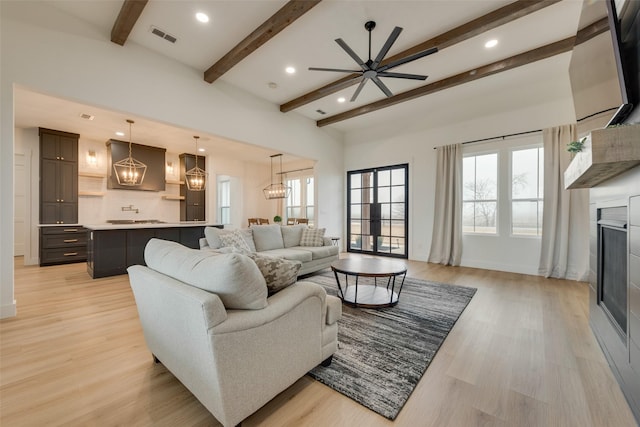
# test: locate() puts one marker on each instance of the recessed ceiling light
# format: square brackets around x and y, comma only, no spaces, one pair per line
[491,43]
[202,17]
[341,99]
[120,133]
[290,70]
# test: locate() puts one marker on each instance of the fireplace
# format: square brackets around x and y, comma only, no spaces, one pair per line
[612,276]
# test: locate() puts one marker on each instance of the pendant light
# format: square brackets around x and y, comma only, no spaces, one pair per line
[196,178]
[276,190]
[129,171]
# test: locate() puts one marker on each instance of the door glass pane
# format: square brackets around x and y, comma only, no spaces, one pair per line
[397,228]
[385,228]
[367,179]
[356,180]
[397,245]
[356,227]
[397,177]
[397,211]
[355,241]
[384,194]
[385,210]
[366,211]
[383,244]
[356,196]
[397,194]
[356,211]
[384,178]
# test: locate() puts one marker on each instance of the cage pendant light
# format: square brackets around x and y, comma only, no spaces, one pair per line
[129,171]
[276,190]
[196,178]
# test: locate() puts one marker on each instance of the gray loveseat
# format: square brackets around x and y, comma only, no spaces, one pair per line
[281,242]
[207,318]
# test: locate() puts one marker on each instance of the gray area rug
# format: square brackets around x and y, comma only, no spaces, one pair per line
[383,353]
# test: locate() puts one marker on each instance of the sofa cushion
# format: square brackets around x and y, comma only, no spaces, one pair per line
[247,233]
[234,277]
[267,237]
[212,234]
[312,237]
[291,235]
[236,240]
[319,252]
[278,272]
[290,254]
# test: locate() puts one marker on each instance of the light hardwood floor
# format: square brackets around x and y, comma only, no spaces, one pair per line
[521,354]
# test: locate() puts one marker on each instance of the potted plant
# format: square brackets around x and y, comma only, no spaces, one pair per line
[277,219]
[576,146]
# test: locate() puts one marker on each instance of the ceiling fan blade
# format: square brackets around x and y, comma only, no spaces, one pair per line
[382,86]
[408,59]
[358,89]
[402,75]
[387,45]
[338,70]
[352,54]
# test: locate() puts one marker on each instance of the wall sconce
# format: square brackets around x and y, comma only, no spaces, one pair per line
[170,168]
[92,157]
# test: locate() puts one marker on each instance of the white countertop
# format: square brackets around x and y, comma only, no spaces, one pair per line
[107,226]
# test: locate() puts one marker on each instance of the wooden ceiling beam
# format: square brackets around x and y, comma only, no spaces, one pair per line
[127,18]
[491,20]
[525,58]
[291,11]
[456,80]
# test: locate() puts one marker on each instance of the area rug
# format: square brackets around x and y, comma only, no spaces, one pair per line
[383,353]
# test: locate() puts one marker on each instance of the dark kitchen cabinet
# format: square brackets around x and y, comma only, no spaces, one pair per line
[58,177]
[62,245]
[110,252]
[192,207]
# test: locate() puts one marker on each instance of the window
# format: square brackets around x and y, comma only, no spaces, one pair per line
[300,203]
[527,183]
[224,201]
[480,193]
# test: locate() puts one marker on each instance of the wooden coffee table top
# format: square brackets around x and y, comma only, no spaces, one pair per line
[370,267]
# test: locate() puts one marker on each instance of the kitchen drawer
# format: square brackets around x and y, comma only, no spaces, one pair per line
[63,255]
[63,230]
[50,241]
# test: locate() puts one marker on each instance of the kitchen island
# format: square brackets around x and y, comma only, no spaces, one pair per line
[113,247]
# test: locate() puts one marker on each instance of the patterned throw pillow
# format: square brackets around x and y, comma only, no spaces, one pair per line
[278,272]
[235,239]
[312,237]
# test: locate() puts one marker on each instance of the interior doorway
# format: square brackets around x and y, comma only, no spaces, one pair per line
[377,201]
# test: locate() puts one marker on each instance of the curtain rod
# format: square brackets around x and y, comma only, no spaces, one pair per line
[531,131]
[295,170]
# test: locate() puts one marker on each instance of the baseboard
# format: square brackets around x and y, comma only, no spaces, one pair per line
[509,268]
[8,310]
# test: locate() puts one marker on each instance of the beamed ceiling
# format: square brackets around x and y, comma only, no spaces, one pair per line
[486,18]
[249,44]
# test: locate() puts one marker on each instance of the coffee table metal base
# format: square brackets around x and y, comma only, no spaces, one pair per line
[385,290]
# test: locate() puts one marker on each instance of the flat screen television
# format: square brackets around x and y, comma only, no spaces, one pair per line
[624,24]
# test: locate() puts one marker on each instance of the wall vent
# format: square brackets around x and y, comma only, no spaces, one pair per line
[321,112]
[87,116]
[162,34]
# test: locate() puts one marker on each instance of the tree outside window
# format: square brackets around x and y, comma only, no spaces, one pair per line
[480,193]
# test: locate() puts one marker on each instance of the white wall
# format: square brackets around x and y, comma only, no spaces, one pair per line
[50,52]
[417,149]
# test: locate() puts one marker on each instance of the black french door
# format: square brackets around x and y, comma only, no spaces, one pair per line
[378,201]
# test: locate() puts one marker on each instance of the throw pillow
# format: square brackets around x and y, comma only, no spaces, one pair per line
[235,278]
[236,240]
[213,234]
[277,272]
[312,237]
[247,234]
[291,235]
[267,237]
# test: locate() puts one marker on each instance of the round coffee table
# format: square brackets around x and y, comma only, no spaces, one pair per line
[369,295]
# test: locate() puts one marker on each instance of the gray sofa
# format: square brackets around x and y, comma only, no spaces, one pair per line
[207,318]
[281,242]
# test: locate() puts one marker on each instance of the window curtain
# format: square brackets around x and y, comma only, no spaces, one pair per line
[446,241]
[564,251]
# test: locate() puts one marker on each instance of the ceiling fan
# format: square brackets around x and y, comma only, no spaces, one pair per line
[371,69]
